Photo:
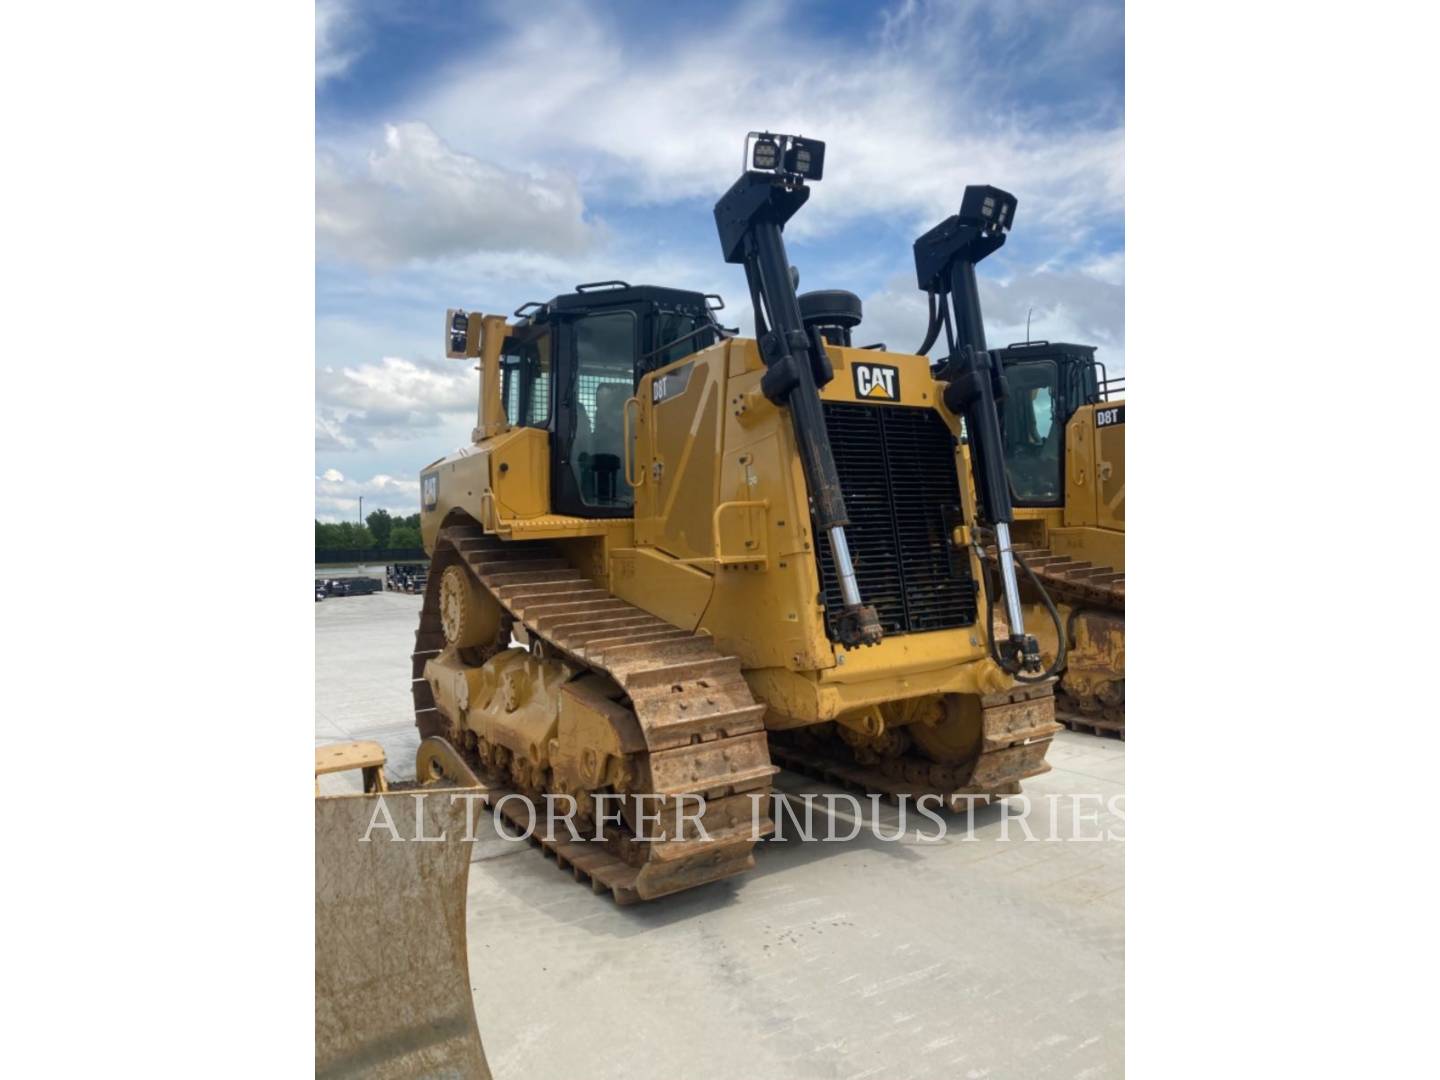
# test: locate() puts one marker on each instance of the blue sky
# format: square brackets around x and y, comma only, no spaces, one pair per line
[480,155]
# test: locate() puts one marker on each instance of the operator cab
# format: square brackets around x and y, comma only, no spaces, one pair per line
[1046,383]
[569,366]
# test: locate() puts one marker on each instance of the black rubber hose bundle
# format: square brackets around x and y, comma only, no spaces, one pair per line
[990,587]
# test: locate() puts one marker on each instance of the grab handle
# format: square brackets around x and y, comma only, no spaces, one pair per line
[633,480]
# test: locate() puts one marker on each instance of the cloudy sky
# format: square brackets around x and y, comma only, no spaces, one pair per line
[480,155]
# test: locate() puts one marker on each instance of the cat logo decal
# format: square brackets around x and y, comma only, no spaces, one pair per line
[877,382]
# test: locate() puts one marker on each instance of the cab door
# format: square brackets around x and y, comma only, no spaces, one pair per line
[600,350]
[1033,433]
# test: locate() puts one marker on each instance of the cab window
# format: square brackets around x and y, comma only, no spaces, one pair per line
[676,337]
[1033,432]
[605,352]
[525,380]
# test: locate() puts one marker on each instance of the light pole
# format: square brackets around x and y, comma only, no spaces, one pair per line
[360,517]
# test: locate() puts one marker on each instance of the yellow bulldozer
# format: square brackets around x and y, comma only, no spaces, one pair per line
[674,559]
[1063,423]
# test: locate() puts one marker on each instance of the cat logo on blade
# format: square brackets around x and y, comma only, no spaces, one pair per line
[877,382]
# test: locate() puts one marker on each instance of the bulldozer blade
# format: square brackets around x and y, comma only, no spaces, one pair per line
[392,983]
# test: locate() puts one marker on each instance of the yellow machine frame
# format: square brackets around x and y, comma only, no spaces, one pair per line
[720,539]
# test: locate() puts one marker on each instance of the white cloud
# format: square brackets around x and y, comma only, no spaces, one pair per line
[907,124]
[394,399]
[895,315]
[1108,268]
[329,433]
[416,198]
[336,47]
[338,499]
[1070,305]
[397,383]
[501,210]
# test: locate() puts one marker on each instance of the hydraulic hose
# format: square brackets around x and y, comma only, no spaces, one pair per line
[932,328]
[987,585]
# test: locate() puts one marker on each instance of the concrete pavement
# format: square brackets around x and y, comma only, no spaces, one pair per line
[987,955]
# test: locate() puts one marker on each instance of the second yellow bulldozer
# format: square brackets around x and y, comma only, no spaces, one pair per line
[673,558]
[1064,434]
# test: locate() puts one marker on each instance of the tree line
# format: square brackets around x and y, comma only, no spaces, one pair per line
[381,530]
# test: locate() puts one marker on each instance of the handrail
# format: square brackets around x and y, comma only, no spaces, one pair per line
[736,504]
[701,329]
[628,448]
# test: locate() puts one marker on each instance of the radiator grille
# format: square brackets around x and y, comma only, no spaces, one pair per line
[902,492]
